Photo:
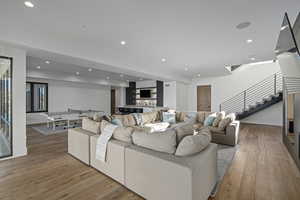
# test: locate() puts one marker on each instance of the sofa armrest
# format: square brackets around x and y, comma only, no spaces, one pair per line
[232,130]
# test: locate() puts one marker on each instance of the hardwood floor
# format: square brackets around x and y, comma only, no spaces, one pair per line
[262,169]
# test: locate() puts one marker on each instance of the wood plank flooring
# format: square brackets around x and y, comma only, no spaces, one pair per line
[262,169]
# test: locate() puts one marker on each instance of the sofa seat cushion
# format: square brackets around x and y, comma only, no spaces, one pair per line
[91,125]
[158,127]
[216,130]
[183,131]
[158,141]
[193,144]
[198,125]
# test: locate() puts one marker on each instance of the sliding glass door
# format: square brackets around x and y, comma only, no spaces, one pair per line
[5,107]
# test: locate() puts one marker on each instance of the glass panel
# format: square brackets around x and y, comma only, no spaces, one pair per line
[39,97]
[5,107]
[28,97]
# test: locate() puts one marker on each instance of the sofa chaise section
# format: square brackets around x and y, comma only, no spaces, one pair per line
[158,176]
[114,165]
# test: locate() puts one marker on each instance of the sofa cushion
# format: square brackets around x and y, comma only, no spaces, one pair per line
[219,117]
[169,117]
[149,117]
[91,125]
[127,120]
[224,123]
[97,117]
[182,131]
[198,125]
[158,141]
[123,134]
[217,130]
[180,116]
[200,117]
[193,144]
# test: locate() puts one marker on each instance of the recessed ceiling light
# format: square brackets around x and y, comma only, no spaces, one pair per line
[186,68]
[38,67]
[249,41]
[108,78]
[252,58]
[29,4]
[90,69]
[163,60]
[121,75]
[77,73]
[198,75]
[123,42]
[47,62]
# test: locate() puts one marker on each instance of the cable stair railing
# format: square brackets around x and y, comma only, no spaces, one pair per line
[257,97]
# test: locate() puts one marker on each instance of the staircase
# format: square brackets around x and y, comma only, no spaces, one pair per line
[256,98]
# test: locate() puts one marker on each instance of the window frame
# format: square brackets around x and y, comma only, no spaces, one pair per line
[32,83]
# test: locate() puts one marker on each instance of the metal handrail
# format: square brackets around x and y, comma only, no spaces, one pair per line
[271,85]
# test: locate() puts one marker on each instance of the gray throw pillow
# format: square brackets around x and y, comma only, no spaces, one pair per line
[158,141]
[193,144]
[220,116]
[184,130]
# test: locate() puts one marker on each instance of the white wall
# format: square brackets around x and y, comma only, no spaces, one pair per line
[175,95]
[225,87]
[63,95]
[18,98]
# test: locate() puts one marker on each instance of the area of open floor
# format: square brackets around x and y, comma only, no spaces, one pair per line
[262,169]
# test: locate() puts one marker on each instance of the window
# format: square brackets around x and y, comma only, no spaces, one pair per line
[5,107]
[36,97]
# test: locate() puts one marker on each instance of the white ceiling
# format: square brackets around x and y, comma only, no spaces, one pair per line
[197,33]
[38,66]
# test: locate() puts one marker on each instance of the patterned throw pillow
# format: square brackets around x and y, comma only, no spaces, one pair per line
[138,118]
[209,120]
[169,117]
[220,116]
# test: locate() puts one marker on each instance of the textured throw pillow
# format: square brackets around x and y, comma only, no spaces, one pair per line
[209,120]
[224,123]
[169,117]
[220,116]
[182,131]
[123,134]
[91,125]
[97,117]
[158,141]
[192,144]
[200,117]
[117,122]
[180,116]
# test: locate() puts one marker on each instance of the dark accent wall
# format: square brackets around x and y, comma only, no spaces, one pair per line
[160,93]
[131,94]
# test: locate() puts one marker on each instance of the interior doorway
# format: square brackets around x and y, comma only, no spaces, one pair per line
[204,98]
[113,101]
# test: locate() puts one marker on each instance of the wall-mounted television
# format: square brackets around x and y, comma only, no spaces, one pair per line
[145,93]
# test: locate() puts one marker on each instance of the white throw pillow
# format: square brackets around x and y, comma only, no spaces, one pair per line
[91,125]
[158,141]
[193,144]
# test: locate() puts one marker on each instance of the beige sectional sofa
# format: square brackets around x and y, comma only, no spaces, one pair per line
[152,174]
